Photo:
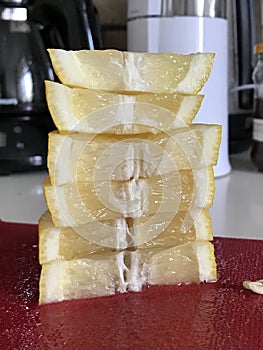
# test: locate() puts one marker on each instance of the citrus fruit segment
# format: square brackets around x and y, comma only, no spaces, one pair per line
[64,243]
[81,278]
[76,157]
[128,71]
[67,243]
[78,203]
[192,225]
[192,262]
[111,273]
[97,111]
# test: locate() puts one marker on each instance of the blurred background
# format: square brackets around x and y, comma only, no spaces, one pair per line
[29,27]
[113,18]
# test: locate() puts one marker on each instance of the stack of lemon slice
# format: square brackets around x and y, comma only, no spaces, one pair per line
[130,177]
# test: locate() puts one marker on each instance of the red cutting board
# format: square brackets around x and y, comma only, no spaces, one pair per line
[214,316]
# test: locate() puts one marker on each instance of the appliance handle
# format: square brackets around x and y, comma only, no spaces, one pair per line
[97,33]
[242,88]
[46,64]
[68,24]
[90,19]
[244,51]
[46,16]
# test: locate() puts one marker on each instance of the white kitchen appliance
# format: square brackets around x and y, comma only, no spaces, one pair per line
[185,27]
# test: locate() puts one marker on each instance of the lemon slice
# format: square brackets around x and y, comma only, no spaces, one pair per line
[111,273]
[66,243]
[97,111]
[192,262]
[128,71]
[74,157]
[193,225]
[81,278]
[79,203]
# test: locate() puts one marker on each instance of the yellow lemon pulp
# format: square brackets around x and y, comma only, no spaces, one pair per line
[74,157]
[77,203]
[66,243]
[130,71]
[118,272]
[98,111]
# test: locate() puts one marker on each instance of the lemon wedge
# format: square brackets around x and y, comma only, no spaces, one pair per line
[67,243]
[98,111]
[130,71]
[78,203]
[111,273]
[74,157]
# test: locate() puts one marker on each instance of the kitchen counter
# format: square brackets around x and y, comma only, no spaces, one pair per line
[237,210]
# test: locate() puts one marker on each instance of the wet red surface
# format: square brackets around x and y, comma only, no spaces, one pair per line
[214,316]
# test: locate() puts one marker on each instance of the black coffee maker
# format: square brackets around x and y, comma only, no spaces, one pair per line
[27,29]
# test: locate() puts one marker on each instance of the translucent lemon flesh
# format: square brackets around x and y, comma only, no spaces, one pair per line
[111,273]
[78,203]
[76,157]
[66,243]
[128,71]
[78,278]
[98,111]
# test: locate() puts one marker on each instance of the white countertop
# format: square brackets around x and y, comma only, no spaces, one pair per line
[237,210]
